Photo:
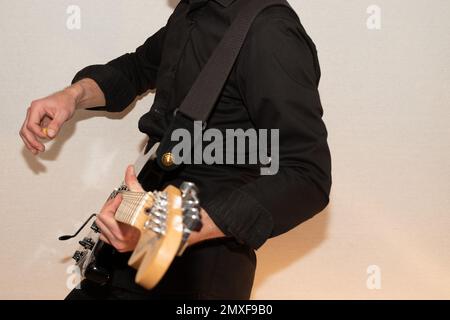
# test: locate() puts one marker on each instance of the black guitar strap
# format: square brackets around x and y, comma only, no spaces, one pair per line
[202,97]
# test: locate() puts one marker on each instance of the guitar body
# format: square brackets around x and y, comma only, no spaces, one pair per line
[99,269]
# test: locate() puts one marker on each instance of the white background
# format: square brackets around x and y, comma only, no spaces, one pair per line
[386,99]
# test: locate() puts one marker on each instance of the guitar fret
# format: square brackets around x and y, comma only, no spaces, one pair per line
[131,201]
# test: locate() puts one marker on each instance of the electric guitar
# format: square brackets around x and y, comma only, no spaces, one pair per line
[165,219]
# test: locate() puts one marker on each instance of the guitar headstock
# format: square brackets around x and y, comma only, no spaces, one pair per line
[170,217]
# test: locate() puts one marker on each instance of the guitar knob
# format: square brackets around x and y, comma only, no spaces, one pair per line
[77,256]
[95,227]
[87,243]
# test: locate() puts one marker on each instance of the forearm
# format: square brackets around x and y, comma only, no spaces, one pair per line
[208,231]
[87,94]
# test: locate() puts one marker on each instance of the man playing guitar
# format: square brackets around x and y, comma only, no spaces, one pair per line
[273,85]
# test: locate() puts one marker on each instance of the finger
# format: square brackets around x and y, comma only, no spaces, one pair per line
[111,237]
[44,125]
[29,137]
[35,117]
[105,232]
[131,180]
[113,227]
[104,239]
[130,232]
[21,134]
[111,205]
[115,203]
[29,147]
[108,220]
[55,125]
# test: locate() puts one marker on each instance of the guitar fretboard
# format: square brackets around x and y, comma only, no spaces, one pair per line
[131,205]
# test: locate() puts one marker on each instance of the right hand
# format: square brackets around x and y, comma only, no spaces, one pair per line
[49,113]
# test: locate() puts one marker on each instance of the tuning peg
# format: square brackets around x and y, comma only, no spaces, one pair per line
[158,214]
[163,195]
[191,203]
[159,231]
[160,195]
[156,221]
[192,211]
[156,225]
[192,221]
[188,188]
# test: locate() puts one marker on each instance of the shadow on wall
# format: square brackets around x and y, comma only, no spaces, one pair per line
[280,252]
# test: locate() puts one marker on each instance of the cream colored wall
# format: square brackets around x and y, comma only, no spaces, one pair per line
[386,98]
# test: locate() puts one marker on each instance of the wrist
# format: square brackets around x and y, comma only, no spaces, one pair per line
[76,92]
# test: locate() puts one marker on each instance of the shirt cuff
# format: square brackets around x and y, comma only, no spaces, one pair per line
[239,215]
[118,91]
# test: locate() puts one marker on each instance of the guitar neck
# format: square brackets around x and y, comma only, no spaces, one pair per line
[133,202]
[132,205]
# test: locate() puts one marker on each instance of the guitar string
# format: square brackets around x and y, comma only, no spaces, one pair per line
[129,205]
[131,202]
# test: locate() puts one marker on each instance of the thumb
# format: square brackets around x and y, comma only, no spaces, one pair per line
[131,181]
[55,125]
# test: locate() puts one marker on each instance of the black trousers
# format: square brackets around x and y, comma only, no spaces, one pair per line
[214,269]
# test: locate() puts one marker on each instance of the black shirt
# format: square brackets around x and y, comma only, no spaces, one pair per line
[273,85]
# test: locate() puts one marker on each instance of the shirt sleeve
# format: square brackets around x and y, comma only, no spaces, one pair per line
[278,75]
[129,75]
